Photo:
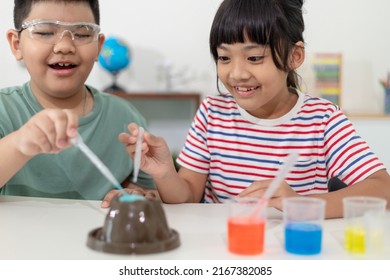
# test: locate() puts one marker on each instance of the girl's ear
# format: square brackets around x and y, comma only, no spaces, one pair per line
[297,55]
[14,43]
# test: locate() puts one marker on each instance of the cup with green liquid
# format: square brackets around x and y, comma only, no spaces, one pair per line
[364,224]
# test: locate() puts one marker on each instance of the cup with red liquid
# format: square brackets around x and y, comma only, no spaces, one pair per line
[246,226]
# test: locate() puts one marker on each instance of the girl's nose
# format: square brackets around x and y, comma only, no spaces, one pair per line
[238,71]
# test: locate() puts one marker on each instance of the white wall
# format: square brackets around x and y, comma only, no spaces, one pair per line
[177,30]
[377,134]
[360,30]
[156,31]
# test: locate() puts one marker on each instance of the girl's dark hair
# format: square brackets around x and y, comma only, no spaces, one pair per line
[22,9]
[275,23]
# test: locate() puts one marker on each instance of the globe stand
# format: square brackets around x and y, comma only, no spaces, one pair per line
[114,86]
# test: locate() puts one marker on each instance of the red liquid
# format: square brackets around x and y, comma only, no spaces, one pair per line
[246,235]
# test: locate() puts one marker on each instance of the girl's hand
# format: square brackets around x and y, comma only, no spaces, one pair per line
[257,189]
[49,132]
[156,158]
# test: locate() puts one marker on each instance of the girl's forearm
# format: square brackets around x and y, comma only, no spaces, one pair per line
[174,189]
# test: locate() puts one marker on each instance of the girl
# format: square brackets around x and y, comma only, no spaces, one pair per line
[238,140]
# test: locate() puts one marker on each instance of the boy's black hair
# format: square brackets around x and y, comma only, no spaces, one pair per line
[22,9]
[276,23]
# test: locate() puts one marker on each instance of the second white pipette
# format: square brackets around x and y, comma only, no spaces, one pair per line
[137,156]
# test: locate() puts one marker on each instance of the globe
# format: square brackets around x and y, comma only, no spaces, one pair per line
[114,57]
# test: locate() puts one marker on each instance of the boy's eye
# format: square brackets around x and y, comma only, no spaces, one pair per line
[83,32]
[256,58]
[43,34]
[82,36]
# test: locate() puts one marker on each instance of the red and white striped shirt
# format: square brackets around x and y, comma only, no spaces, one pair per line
[236,149]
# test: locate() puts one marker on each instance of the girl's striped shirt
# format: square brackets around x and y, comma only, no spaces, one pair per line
[236,149]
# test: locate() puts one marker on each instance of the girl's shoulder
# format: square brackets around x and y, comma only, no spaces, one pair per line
[318,102]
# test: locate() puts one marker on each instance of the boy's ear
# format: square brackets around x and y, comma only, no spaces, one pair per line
[14,43]
[297,55]
[101,39]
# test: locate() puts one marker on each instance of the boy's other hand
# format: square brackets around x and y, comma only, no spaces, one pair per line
[49,131]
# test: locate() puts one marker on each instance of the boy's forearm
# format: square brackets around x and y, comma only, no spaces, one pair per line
[11,159]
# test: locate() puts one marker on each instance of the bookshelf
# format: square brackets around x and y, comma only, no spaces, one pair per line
[327,68]
[168,114]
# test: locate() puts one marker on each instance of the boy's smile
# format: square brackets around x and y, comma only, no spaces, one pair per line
[62,66]
[63,69]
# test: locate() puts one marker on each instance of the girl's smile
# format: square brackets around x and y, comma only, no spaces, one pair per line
[243,91]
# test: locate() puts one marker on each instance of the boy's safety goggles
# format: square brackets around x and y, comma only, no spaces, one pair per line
[51,31]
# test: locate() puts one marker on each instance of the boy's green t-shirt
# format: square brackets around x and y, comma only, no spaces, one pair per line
[70,174]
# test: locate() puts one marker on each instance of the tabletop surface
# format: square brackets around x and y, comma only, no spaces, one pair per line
[40,228]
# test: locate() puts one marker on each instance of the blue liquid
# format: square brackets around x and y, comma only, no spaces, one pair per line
[130,197]
[303,238]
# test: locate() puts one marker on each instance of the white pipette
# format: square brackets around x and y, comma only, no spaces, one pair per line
[275,183]
[78,142]
[280,175]
[137,156]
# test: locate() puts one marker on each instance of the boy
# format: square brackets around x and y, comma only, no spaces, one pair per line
[59,41]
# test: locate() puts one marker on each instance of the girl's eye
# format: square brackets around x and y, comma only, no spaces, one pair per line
[256,58]
[223,58]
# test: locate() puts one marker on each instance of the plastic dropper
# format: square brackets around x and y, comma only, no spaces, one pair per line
[275,183]
[137,156]
[78,142]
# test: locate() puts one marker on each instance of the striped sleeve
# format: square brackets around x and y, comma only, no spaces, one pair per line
[348,156]
[195,154]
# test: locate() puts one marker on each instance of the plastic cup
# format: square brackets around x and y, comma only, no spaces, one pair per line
[365,227]
[303,218]
[246,227]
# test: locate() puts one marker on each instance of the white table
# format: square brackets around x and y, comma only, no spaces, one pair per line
[37,228]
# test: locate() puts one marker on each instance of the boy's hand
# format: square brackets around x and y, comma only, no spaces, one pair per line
[156,158]
[49,131]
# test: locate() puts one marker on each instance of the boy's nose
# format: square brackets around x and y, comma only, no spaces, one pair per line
[65,43]
[63,34]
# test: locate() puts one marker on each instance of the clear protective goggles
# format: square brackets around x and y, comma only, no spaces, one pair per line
[52,31]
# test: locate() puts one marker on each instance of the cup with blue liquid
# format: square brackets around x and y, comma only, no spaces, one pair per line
[303,218]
